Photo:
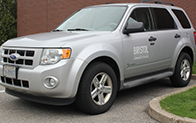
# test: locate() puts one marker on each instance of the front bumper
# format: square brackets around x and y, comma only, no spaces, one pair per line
[43,100]
[67,72]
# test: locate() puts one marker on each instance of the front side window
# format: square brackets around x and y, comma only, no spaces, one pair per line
[141,15]
[163,19]
[94,19]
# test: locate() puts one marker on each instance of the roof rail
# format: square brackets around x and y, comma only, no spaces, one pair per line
[157,2]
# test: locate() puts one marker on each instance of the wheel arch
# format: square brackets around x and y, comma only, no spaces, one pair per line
[187,50]
[111,62]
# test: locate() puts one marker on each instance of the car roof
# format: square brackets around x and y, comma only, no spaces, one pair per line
[137,4]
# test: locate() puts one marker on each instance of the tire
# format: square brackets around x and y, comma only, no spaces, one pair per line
[183,71]
[98,88]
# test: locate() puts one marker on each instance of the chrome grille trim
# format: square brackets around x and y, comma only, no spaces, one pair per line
[29,58]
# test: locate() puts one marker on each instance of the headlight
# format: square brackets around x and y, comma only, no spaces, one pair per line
[52,56]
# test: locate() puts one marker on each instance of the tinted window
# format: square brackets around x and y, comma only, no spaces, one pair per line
[163,19]
[142,15]
[182,18]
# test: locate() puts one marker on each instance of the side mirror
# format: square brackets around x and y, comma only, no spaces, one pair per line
[134,27]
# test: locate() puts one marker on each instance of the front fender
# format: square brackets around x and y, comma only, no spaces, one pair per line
[87,55]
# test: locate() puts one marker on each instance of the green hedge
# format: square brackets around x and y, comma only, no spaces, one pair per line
[8,20]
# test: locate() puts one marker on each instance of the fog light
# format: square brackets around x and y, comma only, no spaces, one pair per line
[50,82]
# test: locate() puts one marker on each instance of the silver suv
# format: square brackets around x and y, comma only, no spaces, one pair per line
[98,51]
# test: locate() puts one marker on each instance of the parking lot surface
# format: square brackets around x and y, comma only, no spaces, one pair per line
[130,106]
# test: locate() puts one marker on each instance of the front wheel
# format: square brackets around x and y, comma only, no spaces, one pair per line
[98,89]
[183,71]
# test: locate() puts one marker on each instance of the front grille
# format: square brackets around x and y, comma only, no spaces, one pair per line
[26,56]
[15,82]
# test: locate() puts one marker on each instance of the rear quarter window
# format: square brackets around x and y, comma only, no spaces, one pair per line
[182,18]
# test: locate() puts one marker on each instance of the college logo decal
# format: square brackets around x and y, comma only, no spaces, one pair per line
[140,52]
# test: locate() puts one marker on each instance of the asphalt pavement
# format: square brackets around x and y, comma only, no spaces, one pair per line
[130,106]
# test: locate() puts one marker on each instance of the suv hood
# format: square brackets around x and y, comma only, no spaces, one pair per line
[50,39]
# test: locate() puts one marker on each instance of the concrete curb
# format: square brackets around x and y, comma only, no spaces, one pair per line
[156,111]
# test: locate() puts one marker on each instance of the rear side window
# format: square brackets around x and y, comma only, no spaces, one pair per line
[182,18]
[163,19]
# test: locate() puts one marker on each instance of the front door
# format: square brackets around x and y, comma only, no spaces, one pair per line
[141,48]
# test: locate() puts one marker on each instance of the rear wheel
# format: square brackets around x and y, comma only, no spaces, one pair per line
[98,89]
[183,71]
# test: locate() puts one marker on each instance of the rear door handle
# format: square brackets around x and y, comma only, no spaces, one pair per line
[177,36]
[152,38]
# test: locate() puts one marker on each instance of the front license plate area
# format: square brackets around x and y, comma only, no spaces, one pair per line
[10,71]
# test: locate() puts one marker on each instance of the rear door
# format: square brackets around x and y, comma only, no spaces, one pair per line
[168,34]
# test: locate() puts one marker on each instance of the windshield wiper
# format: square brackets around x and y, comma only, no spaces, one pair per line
[57,30]
[77,29]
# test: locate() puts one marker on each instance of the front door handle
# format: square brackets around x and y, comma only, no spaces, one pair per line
[152,38]
[177,36]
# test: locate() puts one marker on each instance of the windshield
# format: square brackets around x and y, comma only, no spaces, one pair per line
[94,19]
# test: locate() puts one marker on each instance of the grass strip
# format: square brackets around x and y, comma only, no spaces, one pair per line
[194,68]
[182,104]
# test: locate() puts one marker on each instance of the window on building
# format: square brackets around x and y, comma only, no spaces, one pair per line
[163,19]
[182,18]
